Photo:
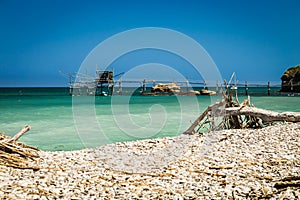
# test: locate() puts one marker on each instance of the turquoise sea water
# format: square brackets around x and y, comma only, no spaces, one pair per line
[49,112]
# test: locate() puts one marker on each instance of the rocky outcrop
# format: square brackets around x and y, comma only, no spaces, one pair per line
[291,80]
[171,87]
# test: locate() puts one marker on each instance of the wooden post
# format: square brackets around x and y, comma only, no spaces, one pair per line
[217,87]
[246,88]
[144,86]
[86,82]
[71,90]
[101,88]
[79,88]
[120,86]
[112,89]
[269,89]
[187,85]
[226,85]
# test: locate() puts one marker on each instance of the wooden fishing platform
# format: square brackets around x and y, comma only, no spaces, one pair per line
[105,83]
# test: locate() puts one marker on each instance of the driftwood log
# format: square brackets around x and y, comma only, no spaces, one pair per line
[230,114]
[266,116]
[16,154]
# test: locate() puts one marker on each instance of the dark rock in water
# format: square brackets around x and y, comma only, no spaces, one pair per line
[291,80]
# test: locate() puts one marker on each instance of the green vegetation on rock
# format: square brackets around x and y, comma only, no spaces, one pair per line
[291,80]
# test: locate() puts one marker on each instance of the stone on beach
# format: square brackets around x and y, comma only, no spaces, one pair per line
[233,164]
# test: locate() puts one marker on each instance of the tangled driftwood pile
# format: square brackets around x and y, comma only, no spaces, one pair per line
[16,154]
[230,114]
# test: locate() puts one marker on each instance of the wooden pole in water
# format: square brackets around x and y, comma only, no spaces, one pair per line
[226,85]
[187,84]
[144,86]
[120,86]
[246,88]
[70,85]
[71,90]
[101,89]
[269,89]
[79,87]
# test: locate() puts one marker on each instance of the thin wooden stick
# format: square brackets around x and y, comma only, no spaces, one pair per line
[18,135]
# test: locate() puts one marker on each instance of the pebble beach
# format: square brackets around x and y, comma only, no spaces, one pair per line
[229,164]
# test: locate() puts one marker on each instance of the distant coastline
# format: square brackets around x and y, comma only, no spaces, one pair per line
[258,90]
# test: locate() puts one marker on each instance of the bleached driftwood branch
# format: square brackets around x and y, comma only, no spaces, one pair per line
[22,132]
[265,115]
[235,115]
[191,129]
[16,154]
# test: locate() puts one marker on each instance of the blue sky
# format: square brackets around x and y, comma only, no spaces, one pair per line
[256,39]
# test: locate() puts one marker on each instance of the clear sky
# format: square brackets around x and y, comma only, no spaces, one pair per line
[257,39]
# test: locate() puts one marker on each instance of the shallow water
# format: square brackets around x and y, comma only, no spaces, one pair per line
[50,114]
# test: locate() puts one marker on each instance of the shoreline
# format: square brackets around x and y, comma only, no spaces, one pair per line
[223,164]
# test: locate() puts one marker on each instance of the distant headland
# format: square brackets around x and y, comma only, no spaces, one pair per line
[291,80]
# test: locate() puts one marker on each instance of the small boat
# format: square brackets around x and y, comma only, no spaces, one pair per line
[103,94]
[291,94]
[234,87]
